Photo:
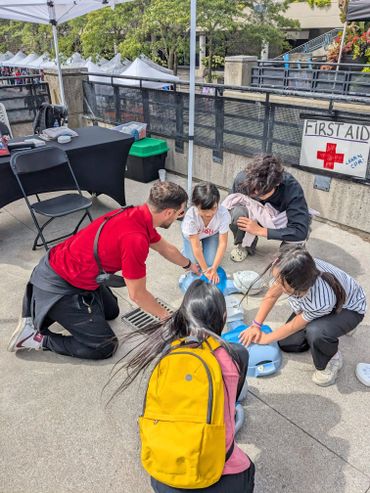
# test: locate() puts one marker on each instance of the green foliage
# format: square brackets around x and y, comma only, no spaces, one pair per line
[217,61]
[160,29]
[265,22]
[10,35]
[319,3]
[215,18]
[167,21]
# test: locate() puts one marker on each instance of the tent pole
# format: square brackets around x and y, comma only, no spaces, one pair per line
[341,45]
[60,77]
[193,26]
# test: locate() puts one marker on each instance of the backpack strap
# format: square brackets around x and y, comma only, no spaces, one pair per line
[230,451]
[212,343]
[97,235]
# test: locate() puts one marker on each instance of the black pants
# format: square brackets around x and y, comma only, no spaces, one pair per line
[241,211]
[241,357]
[321,336]
[85,317]
[229,483]
[236,212]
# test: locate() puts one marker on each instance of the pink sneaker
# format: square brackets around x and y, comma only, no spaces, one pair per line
[25,336]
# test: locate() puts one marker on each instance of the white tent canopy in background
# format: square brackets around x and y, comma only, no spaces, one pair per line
[40,12]
[36,64]
[54,13]
[139,68]
[6,56]
[29,59]
[116,65]
[13,62]
[75,61]
[150,62]
[48,64]
[59,11]
[95,69]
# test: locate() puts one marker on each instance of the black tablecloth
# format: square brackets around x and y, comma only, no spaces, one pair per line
[97,156]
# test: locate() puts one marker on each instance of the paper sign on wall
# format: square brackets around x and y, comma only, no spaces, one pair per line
[336,146]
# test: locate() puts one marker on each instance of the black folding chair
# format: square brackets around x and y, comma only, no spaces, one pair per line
[40,160]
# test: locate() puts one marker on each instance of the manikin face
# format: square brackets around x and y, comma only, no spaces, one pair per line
[207,214]
[170,215]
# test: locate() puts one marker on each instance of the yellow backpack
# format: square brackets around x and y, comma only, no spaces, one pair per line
[182,428]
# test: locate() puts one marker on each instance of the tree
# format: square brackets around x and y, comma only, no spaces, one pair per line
[105,29]
[167,21]
[10,35]
[70,36]
[215,18]
[267,24]
[319,3]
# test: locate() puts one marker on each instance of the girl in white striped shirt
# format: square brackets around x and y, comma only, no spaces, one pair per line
[327,303]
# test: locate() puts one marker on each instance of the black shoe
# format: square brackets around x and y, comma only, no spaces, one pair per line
[252,249]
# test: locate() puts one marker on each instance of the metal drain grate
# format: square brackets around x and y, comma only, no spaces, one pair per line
[138,319]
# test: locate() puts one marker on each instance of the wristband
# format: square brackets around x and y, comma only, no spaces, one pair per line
[187,265]
[257,323]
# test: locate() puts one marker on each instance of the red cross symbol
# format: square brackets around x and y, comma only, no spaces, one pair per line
[330,156]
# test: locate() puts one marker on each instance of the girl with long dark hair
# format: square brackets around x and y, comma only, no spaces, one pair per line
[327,303]
[202,314]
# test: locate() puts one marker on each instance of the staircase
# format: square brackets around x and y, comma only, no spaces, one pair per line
[312,45]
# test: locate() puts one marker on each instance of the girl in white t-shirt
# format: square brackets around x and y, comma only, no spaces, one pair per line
[205,228]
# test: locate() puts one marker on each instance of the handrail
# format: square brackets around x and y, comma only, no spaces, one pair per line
[249,89]
[313,44]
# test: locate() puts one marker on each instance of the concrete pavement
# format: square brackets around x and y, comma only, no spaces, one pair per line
[57,435]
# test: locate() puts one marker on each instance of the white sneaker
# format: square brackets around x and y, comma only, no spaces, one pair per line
[238,253]
[363,373]
[25,336]
[327,377]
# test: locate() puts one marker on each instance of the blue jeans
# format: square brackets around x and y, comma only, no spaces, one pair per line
[209,246]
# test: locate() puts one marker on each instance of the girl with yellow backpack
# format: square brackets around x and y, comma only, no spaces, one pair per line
[187,428]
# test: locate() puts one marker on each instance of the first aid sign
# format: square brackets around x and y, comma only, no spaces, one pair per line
[336,146]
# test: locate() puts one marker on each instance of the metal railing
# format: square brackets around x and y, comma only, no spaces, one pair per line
[321,41]
[239,120]
[22,96]
[311,77]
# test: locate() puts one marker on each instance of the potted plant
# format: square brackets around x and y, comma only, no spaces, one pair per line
[356,49]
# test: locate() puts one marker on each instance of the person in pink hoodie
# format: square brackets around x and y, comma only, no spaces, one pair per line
[202,314]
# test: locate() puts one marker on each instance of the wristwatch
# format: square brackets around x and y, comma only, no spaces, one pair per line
[187,265]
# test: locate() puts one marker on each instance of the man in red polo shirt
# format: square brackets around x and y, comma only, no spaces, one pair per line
[65,287]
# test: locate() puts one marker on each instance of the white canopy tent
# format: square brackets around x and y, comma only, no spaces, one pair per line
[139,68]
[36,64]
[56,12]
[75,61]
[13,62]
[116,65]
[150,62]
[6,56]
[96,69]
[52,12]
[29,59]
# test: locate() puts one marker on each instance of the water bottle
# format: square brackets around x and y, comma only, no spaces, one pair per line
[56,124]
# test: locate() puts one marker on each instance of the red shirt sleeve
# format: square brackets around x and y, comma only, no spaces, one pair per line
[155,236]
[134,252]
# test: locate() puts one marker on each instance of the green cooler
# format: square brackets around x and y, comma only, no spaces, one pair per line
[145,158]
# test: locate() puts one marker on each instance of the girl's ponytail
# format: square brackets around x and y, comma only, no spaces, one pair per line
[338,289]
